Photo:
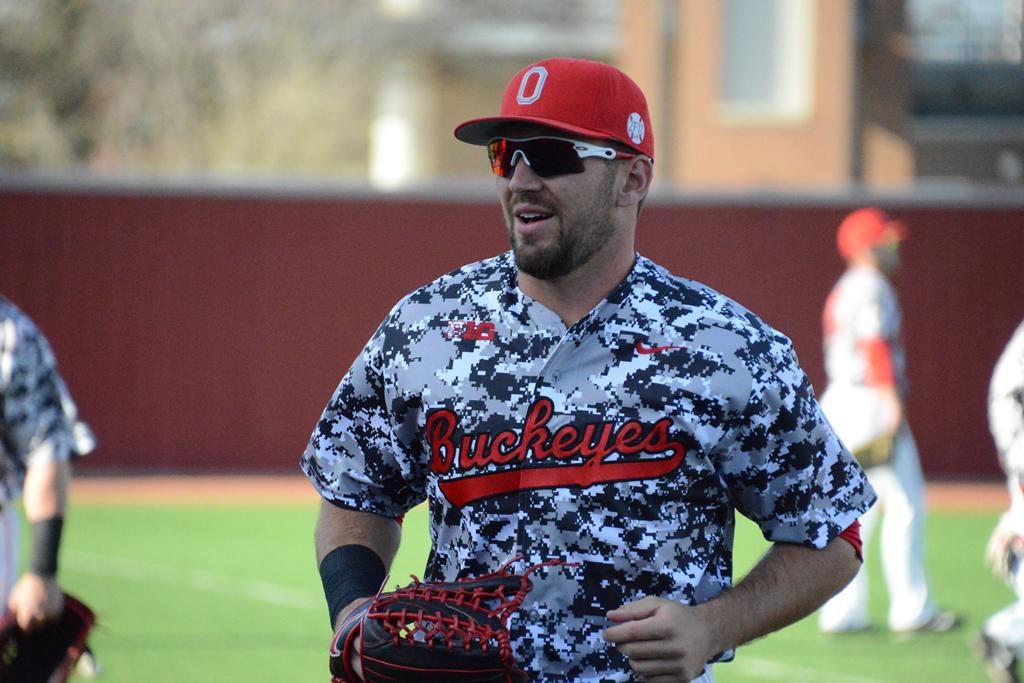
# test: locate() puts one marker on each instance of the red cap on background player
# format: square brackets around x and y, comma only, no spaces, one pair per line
[577,96]
[867,228]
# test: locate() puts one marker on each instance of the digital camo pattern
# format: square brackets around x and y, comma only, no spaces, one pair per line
[623,443]
[39,419]
[862,306]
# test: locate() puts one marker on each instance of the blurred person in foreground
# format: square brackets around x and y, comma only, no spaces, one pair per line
[40,433]
[572,399]
[867,384]
[1001,641]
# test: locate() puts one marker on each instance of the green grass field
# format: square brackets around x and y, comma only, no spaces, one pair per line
[218,593]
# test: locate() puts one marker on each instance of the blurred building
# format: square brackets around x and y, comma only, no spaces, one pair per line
[744,93]
[454,63]
[885,93]
[967,117]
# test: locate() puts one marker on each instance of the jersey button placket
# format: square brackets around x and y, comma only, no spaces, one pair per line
[530,538]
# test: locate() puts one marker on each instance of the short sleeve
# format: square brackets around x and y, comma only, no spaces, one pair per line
[36,427]
[782,464]
[362,454]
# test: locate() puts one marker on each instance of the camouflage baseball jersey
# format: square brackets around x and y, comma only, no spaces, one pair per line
[39,420]
[623,443]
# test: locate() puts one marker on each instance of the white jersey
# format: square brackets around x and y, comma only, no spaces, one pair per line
[864,356]
[1006,403]
[623,443]
[38,419]
[1006,421]
[862,314]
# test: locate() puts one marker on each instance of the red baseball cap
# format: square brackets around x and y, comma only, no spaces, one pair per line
[577,96]
[865,228]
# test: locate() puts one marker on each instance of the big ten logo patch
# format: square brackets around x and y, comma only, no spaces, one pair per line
[469,330]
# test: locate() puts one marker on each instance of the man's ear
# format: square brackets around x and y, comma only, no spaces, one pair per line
[639,174]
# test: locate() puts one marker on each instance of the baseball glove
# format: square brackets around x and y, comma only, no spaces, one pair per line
[1005,549]
[49,652]
[875,452]
[434,632]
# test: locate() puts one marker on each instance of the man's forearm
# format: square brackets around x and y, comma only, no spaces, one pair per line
[788,583]
[45,492]
[36,598]
[45,496]
[354,552]
[336,527]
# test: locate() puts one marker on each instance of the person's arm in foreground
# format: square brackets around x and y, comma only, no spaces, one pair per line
[667,641]
[36,597]
[338,527]
[348,536]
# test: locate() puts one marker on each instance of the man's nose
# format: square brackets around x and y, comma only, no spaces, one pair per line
[523,177]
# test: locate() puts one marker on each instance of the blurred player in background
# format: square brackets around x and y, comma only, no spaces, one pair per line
[864,400]
[40,433]
[571,399]
[1001,642]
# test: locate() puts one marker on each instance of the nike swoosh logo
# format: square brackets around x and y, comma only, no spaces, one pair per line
[640,348]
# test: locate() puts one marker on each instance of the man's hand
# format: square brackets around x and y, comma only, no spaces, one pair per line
[357,664]
[336,527]
[35,600]
[665,641]
[1004,549]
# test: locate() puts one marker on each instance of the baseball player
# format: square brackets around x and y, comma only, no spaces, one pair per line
[865,363]
[39,434]
[1001,642]
[573,400]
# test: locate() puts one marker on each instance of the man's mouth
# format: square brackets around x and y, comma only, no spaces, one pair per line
[529,217]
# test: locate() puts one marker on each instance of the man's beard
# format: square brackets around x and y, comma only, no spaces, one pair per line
[887,260]
[576,242]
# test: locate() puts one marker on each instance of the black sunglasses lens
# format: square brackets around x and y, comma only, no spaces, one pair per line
[547,157]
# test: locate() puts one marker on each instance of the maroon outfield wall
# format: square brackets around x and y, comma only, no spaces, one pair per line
[206,332]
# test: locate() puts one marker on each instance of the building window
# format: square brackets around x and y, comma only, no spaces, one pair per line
[976,32]
[766,60]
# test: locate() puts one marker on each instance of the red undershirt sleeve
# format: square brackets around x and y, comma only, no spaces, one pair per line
[851,535]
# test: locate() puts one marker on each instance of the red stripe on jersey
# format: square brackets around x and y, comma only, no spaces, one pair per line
[467,489]
[879,355]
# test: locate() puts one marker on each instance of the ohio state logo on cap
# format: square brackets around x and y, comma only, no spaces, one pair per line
[532,85]
[572,97]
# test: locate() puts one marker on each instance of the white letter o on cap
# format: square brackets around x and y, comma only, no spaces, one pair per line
[538,86]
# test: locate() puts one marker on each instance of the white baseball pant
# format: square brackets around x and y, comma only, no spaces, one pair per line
[901,503]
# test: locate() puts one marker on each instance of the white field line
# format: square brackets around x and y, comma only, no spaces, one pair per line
[288,596]
[767,670]
[197,579]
